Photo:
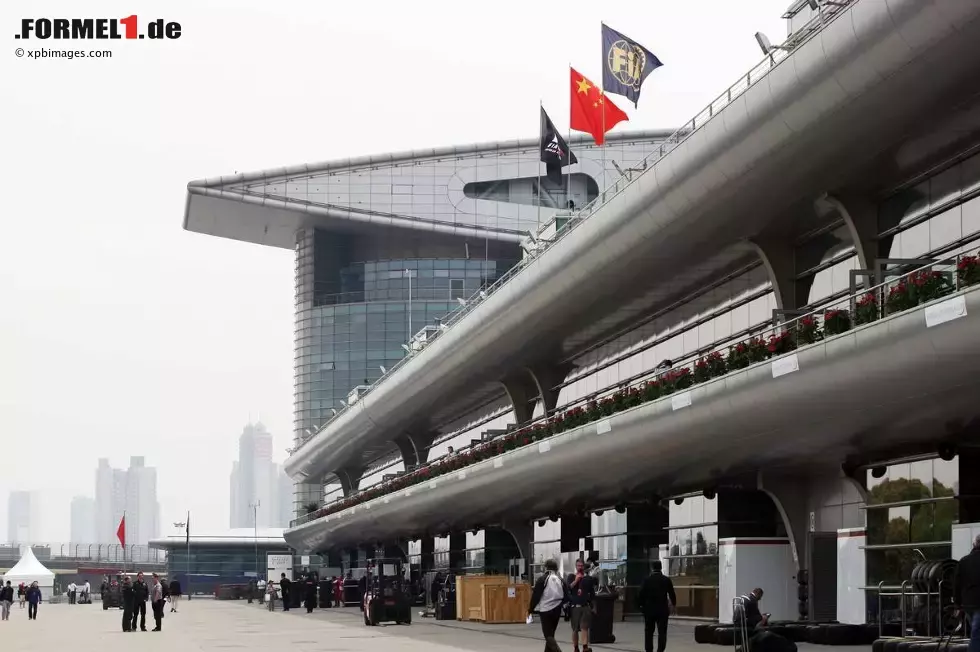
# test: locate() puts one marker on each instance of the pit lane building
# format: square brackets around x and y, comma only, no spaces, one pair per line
[455,298]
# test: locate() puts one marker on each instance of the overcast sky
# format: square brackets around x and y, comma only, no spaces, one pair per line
[120,333]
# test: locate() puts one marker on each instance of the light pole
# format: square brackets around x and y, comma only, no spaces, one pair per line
[255,522]
[408,273]
[186,525]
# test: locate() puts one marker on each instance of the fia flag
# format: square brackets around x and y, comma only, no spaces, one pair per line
[554,150]
[625,64]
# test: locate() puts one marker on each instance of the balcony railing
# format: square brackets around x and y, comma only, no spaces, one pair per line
[572,220]
[924,284]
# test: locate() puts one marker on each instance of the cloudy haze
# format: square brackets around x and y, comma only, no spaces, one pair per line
[120,333]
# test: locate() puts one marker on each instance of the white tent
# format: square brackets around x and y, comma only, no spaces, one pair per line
[29,570]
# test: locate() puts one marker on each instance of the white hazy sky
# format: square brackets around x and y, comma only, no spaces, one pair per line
[120,333]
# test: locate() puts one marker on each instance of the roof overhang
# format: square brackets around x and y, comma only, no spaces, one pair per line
[224,206]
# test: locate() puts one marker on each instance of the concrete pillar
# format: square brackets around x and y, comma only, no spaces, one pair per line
[789,496]
[546,380]
[457,550]
[969,492]
[522,393]
[575,528]
[499,548]
[414,448]
[778,258]
[861,217]
[523,534]
[349,477]
[645,533]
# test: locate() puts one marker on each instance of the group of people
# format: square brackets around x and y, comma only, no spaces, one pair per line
[74,590]
[307,583]
[29,595]
[553,595]
[134,598]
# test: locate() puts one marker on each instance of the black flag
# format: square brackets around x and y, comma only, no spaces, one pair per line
[554,150]
[625,64]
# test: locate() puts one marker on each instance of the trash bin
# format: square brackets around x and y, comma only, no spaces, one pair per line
[326,594]
[602,621]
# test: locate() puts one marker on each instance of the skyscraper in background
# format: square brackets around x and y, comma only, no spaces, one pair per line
[284,486]
[257,480]
[23,516]
[234,507]
[83,525]
[131,491]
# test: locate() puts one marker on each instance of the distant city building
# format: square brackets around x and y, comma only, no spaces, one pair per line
[284,487]
[257,480]
[132,492]
[83,525]
[23,516]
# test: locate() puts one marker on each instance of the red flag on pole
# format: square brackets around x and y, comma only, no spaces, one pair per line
[121,531]
[591,110]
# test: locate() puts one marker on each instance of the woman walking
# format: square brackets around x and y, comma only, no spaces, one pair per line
[270,595]
[549,594]
[33,599]
[6,599]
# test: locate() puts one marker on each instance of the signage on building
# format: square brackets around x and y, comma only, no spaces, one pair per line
[277,565]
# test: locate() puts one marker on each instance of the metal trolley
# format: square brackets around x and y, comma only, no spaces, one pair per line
[742,639]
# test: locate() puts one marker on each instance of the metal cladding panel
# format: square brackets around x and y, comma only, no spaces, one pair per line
[843,397]
[669,217]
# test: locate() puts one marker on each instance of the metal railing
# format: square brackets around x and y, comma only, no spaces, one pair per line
[84,552]
[574,219]
[897,293]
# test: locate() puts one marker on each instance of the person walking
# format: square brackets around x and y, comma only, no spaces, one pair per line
[33,599]
[286,589]
[21,594]
[174,595]
[310,597]
[270,595]
[71,593]
[128,604]
[6,599]
[656,601]
[141,593]
[157,602]
[966,592]
[582,589]
[549,593]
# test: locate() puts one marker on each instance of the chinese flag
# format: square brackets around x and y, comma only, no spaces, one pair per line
[121,531]
[592,112]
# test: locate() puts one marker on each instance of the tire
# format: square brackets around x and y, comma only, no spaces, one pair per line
[704,634]
[725,636]
[796,633]
[815,634]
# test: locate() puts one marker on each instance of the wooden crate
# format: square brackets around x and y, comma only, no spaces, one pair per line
[469,594]
[506,603]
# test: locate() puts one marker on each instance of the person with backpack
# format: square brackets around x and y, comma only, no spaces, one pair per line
[549,594]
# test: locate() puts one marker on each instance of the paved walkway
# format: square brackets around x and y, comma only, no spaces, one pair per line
[210,625]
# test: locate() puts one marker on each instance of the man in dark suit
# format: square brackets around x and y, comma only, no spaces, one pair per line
[656,601]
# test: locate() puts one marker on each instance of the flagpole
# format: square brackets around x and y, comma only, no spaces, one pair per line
[568,190]
[540,145]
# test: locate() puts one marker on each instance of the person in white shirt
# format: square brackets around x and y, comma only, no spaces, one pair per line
[71,593]
[549,594]
[85,592]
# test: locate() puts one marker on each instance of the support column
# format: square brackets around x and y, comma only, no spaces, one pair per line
[778,258]
[522,394]
[861,217]
[499,548]
[414,448]
[789,496]
[574,528]
[457,548]
[645,532]
[523,534]
[546,380]
[969,500]
[349,477]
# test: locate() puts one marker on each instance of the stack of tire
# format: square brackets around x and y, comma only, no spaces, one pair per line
[906,645]
[932,577]
[803,593]
[822,634]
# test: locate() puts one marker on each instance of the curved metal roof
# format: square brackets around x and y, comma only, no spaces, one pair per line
[825,111]
[882,385]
